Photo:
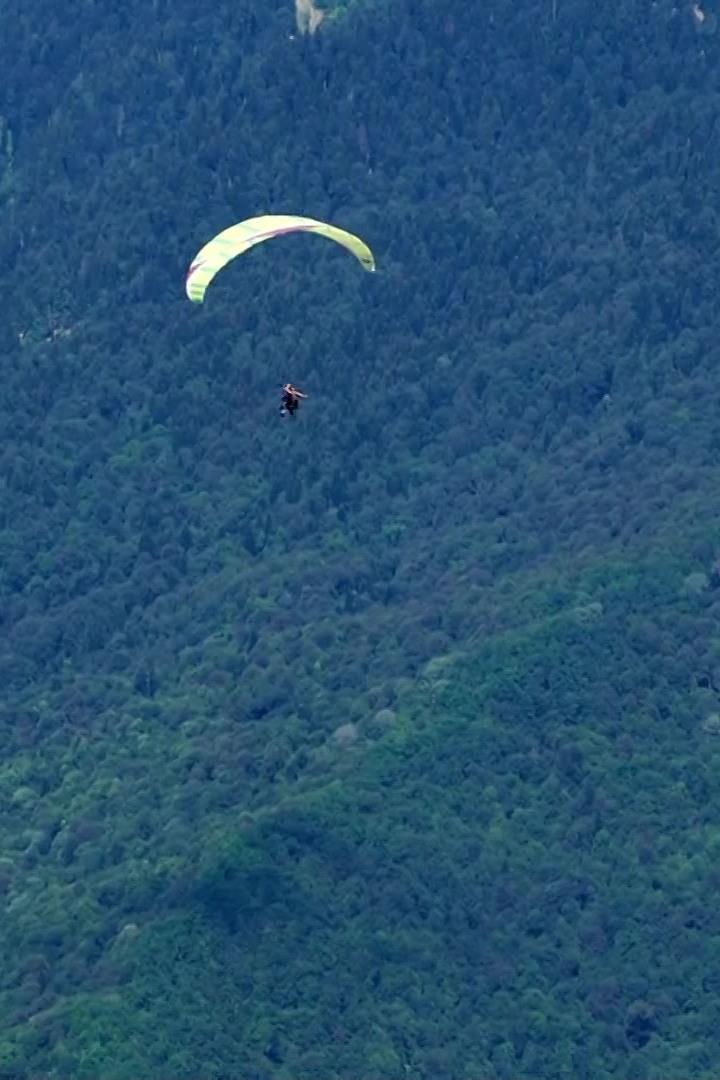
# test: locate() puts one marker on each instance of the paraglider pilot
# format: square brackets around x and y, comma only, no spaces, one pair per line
[291,398]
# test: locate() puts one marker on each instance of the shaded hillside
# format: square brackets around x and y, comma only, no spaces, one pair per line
[530,371]
[203,609]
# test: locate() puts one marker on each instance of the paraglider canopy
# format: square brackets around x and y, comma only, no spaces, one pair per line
[241,237]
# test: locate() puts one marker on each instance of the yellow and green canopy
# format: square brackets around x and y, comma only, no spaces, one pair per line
[241,237]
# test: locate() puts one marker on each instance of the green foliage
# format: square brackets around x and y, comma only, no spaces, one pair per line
[381,744]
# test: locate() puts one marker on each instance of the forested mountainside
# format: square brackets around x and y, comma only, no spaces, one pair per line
[379,743]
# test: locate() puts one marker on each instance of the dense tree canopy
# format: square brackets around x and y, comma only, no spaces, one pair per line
[381,743]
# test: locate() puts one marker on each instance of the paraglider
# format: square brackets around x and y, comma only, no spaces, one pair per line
[291,398]
[241,237]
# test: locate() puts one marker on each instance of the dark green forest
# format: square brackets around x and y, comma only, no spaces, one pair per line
[382,743]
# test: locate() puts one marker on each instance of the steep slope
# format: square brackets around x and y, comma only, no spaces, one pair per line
[197,601]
